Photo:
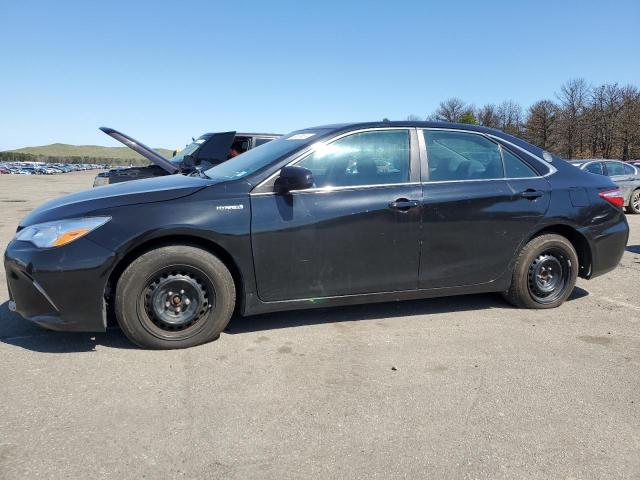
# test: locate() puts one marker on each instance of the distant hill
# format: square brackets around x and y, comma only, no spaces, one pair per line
[64,150]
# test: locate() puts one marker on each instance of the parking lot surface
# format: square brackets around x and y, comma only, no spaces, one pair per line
[460,387]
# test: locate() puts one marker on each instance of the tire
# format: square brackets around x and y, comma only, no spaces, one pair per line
[634,202]
[174,297]
[545,273]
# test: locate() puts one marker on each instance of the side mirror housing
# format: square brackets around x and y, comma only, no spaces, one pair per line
[293,178]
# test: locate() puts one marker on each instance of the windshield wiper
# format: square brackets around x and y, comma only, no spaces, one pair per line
[198,173]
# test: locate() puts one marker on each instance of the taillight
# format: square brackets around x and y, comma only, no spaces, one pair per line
[614,197]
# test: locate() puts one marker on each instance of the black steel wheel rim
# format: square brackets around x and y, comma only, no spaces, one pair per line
[548,276]
[175,301]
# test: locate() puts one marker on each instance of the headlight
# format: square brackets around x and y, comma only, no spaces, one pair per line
[61,232]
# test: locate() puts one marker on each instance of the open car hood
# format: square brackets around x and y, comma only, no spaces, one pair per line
[214,149]
[142,149]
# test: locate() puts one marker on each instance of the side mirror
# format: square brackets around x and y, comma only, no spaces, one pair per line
[293,178]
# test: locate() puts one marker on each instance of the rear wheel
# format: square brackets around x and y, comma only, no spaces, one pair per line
[174,297]
[544,274]
[634,203]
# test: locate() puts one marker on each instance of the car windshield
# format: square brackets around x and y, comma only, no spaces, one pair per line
[259,157]
[188,150]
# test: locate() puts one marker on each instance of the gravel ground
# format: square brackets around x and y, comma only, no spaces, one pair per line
[462,387]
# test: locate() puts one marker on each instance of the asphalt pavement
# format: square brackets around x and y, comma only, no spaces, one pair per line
[460,387]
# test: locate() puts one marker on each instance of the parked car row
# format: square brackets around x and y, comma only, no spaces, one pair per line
[624,174]
[41,168]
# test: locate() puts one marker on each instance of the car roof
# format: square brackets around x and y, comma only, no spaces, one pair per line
[245,134]
[596,160]
[407,123]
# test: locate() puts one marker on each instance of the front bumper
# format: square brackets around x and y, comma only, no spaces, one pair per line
[59,288]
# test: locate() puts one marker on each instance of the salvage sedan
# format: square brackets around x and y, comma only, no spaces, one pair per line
[326,216]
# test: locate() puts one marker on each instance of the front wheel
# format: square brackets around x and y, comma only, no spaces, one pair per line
[174,297]
[544,274]
[634,203]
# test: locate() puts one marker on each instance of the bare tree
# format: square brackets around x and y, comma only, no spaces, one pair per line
[413,118]
[585,121]
[629,129]
[573,98]
[487,115]
[510,117]
[540,123]
[451,110]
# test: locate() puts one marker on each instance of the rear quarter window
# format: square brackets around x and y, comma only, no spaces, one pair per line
[514,167]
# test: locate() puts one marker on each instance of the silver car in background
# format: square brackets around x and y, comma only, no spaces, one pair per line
[625,175]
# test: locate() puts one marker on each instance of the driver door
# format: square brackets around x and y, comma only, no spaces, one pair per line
[356,231]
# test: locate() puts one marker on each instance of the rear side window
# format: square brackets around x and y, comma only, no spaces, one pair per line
[629,170]
[615,168]
[366,158]
[595,167]
[462,156]
[514,167]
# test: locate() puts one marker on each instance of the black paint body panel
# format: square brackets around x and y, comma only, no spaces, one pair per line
[319,244]
[316,248]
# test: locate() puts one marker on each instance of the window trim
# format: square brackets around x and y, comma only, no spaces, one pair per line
[414,164]
[424,156]
[540,162]
[535,172]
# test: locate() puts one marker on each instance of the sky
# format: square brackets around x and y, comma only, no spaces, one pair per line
[166,71]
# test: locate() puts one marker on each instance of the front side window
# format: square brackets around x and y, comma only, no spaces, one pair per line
[595,167]
[365,158]
[462,156]
[615,168]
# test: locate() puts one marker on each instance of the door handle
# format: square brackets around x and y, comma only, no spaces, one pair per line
[531,194]
[404,204]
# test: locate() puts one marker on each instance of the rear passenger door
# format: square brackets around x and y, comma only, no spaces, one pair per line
[474,217]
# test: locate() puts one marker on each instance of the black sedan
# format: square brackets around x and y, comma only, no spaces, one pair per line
[325,216]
